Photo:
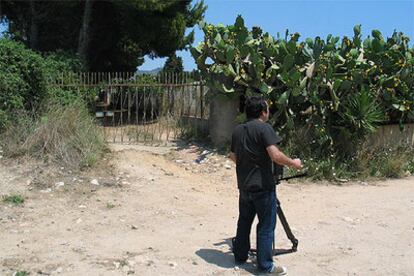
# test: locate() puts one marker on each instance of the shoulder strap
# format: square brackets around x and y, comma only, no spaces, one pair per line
[246,148]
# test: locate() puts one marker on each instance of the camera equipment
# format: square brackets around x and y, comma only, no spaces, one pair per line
[278,176]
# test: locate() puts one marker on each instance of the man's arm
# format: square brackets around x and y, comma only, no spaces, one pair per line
[232,156]
[280,158]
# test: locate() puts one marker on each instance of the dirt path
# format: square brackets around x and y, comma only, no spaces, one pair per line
[163,214]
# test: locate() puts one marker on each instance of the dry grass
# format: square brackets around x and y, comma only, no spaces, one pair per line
[67,135]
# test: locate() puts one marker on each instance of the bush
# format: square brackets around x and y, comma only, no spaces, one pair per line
[59,68]
[59,62]
[391,162]
[22,80]
[364,162]
[64,134]
[341,90]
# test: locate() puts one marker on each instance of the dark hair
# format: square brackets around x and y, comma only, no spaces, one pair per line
[254,107]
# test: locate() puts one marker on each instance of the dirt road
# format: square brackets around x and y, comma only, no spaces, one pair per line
[161,213]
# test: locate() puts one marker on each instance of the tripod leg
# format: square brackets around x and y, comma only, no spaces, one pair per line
[286,227]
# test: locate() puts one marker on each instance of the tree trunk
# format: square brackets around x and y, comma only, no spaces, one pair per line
[84,34]
[34,27]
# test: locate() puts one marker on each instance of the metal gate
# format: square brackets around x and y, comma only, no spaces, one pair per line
[153,109]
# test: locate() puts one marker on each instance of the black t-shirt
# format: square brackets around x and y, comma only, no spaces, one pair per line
[249,143]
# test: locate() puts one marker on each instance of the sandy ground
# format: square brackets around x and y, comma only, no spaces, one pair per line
[157,212]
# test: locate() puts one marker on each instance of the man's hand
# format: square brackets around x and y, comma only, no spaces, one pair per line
[280,158]
[297,164]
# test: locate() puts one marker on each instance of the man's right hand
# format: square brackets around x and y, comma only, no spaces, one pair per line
[297,164]
[280,158]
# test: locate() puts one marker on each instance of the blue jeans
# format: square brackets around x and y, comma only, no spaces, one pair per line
[264,205]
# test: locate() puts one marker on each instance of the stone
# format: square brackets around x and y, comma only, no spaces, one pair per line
[59,184]
[348,219]
[94,182]
[172,264]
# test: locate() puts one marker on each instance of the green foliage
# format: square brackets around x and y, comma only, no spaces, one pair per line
[173,64]
[60,62]
[14,199]
[116,34]
[390,162]
[59,68]
[22,81]
[24,75]
[21,273]
[339,90]
[328,168]
[359,116]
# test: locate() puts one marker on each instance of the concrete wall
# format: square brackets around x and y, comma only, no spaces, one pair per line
[201,125]
[222,120]
[390,135]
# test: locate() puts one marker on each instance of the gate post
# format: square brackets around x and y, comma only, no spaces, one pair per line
[222,120]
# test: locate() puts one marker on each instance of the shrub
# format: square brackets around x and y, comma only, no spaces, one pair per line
[64,134]
[59,68]
[390,162]
[22,80]
[339,89]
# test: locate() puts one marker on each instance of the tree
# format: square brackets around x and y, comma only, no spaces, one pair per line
[107,35]
[173,64]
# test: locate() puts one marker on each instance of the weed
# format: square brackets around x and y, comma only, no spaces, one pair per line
[21,273]
[65,134]
[14,199]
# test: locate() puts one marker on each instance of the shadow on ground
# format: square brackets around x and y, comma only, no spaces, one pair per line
[224,258]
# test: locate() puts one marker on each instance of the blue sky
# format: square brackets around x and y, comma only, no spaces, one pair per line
[309,18]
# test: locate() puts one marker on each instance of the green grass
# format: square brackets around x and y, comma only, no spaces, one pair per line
[21,273]
[14,199]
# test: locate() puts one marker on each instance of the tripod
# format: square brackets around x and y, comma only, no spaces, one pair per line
[285,225]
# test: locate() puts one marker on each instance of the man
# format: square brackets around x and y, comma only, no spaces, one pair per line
[253,148]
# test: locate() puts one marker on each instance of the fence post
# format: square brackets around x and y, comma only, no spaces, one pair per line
[201,100]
